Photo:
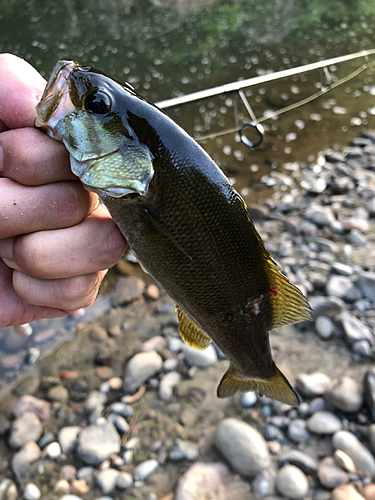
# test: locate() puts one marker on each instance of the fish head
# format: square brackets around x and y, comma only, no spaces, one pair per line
[82,108]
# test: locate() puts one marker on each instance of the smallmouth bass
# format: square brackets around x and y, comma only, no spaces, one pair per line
[187,226]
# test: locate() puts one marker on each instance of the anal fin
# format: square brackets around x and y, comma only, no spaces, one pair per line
[276,387]
[191,333]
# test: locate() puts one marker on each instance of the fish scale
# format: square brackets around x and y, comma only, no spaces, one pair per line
[187,226]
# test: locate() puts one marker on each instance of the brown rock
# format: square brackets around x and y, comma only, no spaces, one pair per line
[104,372]
[152,292]
[68,374]
[97,333]
[127,290]
[79,487]
[346,492]
[330,475]
[368,491]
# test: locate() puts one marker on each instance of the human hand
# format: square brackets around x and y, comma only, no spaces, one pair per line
[56,241]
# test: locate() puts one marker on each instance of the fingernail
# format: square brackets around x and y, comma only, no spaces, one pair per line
[6,248]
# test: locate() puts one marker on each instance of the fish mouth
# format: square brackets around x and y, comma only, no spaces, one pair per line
[56,99]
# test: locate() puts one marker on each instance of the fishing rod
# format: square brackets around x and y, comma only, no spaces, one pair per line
[239,87]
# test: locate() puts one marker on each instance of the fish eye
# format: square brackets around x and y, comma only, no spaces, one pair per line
[98,102]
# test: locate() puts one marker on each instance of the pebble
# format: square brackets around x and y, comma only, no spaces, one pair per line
[345,395]
[167,384]
[31,403]
[264,484]
[354,329]
[344,461]
[115,383]
[324,327]
[200,358]
[314,384]
[183,450]
[368,492]
[366,283]
[26,428]
[62,486]
[31,492]
[145,469]
[124,480]
[297,431]
[70,497]
[95,399]
[154,344]
[122,409]
[97,333]
[330,475]
[97,442]
[292,482]
[119,422]
[321,216]
[202,481]
[140,368]
[52,451]
[127,290]
[369,391]
[24,457]
[338,286]
[243,446]
[346,492]
[349,444]
[305,462]
[58,393]
[323,422]
[327,306]
[249,399]
[68,438]
[68,472]
[107,479]
[80,487]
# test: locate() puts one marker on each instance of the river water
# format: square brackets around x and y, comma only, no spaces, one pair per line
[165,48]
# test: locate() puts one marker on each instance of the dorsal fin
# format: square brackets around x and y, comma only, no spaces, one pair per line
[191,333]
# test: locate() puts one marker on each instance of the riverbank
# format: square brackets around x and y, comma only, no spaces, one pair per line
[127,410]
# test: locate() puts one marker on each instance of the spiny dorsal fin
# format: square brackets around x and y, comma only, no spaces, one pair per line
[276,387]
[191,333]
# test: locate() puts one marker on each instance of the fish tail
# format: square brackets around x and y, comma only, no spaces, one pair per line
[276,387]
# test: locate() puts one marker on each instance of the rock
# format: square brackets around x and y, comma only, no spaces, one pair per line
[70,497]
[145,469]
[343,461]
[68,472]
[368,491]
[127,290]
[24,457]
[354,329]
[345,395]
[321,216]
[356,238]
[115,383]
[122,409]
[363,348]
[68,438]
[349,444]
[343,269]
[338,286]
[31,492]
[167,384]
[4,425]
[324,327]
[26,428]
[323,422]
[306,463]
[98,442]
[243,446]
[8,490]
[327,306]
[62,486]
[292,483]
[366,283]
[107,479]
[80,487]
[202,481]
[371,437]
[369,390]
[356,223]
[200,358]
[96,399]
[346,492]
[97,333]
[248,399]
[330,475]
[156,343]
[264,484]
[183,450]
[297,431]
[52,451]
[124,480]
[58,393]
[119,422]
[314,384]
[13,341]
[140,368]
[32,404]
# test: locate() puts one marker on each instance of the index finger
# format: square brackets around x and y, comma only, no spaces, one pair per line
[21,88]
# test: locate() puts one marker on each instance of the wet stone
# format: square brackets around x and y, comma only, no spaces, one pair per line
[323,422]
[349,444]
[330,475]
[292,482]
[314,384]
[24,429]
[345,395]
[243,446]
[98,442]
[140,368]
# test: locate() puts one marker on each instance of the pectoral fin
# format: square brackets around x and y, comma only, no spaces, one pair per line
[190,331]
[276,387]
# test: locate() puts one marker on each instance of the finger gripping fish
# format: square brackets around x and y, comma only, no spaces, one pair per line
[187,226]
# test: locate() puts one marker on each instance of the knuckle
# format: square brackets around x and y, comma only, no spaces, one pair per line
[79,291]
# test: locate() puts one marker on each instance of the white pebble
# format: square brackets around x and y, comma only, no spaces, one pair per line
[145,469]
[31,492]
[249,399]
[167,383]
[53,450]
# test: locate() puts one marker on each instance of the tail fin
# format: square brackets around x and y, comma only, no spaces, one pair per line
[276,387]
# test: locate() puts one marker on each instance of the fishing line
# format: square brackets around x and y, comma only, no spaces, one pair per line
[256,122]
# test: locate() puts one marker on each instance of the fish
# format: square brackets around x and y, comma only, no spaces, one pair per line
[186,224]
